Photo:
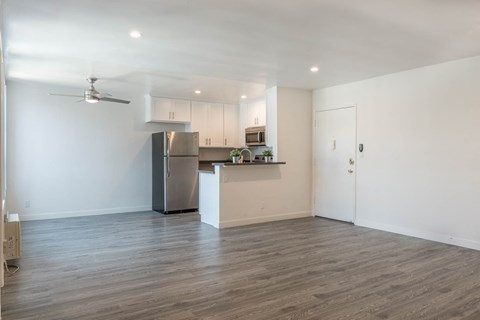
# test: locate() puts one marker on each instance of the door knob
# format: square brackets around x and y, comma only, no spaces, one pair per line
[351,161]
[350,170]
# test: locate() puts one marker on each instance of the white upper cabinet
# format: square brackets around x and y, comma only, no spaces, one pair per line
[167,110]
[231,133]
[215,124]
[199,121]
[207,119]
[254,113]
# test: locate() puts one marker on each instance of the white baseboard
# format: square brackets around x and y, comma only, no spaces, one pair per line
[247,221]
[471,244]
[81,213]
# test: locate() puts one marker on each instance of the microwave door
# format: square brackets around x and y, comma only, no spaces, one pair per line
[252,138]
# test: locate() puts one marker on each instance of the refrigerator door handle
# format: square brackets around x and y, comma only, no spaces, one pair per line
[168,155]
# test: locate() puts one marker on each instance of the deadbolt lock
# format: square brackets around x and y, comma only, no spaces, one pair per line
[351,161]
[350,171]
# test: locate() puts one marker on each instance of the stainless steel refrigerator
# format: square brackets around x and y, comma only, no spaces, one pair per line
[174,171]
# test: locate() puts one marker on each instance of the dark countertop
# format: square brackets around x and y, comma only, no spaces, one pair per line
[206,166]
[254,163]
[212,171]
[209,166]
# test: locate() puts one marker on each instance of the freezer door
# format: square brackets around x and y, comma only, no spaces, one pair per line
[181,183]
[181,143]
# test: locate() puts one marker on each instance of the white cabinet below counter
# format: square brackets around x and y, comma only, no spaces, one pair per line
[216,123]
[168,110]
[222,194]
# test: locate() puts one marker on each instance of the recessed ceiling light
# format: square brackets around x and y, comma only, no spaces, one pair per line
[243,97]
[135,34]
[314,69]
[198,91]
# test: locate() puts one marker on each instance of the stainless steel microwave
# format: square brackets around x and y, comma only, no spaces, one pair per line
[255,136]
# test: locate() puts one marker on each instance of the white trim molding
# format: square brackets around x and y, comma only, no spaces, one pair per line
[419,234]
[81,213]
[247,221]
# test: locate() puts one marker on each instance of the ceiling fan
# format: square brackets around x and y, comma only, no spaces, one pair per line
[93,96]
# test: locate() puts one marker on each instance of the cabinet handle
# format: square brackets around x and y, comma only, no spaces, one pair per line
[206,141]
[173,115]
[225,141]
[209,141]
[168,155]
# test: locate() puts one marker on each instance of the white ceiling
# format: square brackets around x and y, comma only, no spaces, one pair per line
[227,48]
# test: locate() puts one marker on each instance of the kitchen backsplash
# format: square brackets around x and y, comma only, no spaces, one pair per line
[212,154]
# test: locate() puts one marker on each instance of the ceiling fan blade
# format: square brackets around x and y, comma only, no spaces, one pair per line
[105,94]
[114,100]
[66,95]
[80,101]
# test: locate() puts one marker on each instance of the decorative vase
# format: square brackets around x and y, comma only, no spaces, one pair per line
[235,159]
[268,158]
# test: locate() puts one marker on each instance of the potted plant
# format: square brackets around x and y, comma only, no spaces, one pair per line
[267,155]
[235,155]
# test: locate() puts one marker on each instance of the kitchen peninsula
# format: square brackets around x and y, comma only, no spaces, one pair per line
[240,194]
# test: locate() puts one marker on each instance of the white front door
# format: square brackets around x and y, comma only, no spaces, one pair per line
[335,160]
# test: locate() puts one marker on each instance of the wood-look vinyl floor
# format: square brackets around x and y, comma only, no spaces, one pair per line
[146,266]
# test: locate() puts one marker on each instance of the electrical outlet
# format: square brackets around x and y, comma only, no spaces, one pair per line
[27,203]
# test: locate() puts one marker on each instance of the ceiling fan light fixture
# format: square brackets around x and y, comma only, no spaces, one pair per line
[91,99]
[93,96]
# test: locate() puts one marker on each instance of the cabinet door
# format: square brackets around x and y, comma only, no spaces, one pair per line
[230,125]
[199,121]
[261,112]
[181,110]
[161,109]
[167,110]
[215,124]
[243,115]
[250,115]
[257,113]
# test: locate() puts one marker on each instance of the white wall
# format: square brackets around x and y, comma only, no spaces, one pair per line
[289,126]
[272,119]
[419,174]
[71,159]
[2,160]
